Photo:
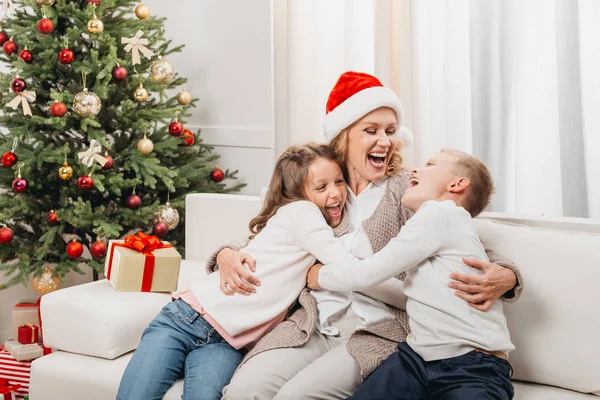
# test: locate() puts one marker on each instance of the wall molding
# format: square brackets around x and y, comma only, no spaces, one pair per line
[235,136]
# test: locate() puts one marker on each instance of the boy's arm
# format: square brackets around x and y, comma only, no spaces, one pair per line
[422,237]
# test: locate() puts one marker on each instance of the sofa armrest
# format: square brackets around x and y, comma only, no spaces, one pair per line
[93,319]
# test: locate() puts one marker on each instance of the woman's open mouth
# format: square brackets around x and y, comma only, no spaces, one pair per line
[377,160]
[334,210]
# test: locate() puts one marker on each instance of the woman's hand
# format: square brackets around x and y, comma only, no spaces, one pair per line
[234,274]
[312,278]
[480,291]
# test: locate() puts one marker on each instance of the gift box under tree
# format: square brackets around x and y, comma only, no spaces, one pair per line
[14,372]
[25,312]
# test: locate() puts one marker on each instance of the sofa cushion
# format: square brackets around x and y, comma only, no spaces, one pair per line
[552,325]
[93,319]
[534,391]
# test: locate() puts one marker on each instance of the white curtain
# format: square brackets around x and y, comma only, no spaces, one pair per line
[512,81]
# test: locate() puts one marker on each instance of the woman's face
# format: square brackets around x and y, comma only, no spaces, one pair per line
[371,143]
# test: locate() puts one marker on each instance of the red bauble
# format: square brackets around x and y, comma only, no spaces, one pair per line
[9,159]
[217,175]
[119,73]
[94,2]
[9,47]
[160,229]
[187,138]
[109,163]
[58,109]
[18,85]
[26,56]
[98,249]
[66,56]
[6,235]
[74,249]
[45,26]
[134,202]
[52,218]
[85,182]
[19,185]
[176,128]
[3,37]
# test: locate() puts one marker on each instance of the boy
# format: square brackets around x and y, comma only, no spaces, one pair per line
[454,351]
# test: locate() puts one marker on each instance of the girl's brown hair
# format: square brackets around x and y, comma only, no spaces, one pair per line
[288,180]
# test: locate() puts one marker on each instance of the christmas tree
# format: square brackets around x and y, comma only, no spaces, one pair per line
[93,142]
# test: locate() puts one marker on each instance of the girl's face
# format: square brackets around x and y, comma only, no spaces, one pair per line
[325,186]
[371,143]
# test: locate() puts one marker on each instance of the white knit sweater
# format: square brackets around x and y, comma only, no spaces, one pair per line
[429,248]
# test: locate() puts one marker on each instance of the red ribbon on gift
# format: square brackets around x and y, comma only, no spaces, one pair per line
[145,244]
[6,389]
[24,332]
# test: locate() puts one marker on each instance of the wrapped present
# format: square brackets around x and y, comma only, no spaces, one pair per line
[142,263]
[10,344]
[25,312]
[15,372]
[28,334]
[26,352]
[8,391]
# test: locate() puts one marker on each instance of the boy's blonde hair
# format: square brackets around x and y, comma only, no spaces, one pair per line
[481,189]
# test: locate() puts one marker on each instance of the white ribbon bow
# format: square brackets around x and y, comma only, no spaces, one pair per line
[135,45]
[93,153]
[24,98]
[6,6]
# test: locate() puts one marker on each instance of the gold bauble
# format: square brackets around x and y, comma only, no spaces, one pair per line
[184,97]
[87,104]
[44,2]
[168,215]
[46,283]
[162,71]
[95,25]
[145,146]
[65,172]
[142,11]
[140,94]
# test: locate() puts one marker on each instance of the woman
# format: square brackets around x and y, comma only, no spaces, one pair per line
[332,341]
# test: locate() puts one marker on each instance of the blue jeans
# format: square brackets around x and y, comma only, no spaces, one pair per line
[406,376]
[179,343]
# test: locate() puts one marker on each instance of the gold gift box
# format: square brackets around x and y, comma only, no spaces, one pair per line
[127,271]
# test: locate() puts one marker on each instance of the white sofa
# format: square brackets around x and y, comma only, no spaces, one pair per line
[554,326]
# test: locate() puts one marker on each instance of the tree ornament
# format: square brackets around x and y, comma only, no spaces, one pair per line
[18,85]
[95,25]
[119,73]
[140,94]
[109,161]
[86,103]
[74,249]
[98,249]
[66,171]
[45,2]
[168,215]
[9,47]
[19,185]
[9,159]
[187,138]
[184,97]
[162,71]
[137,45]
[134,201]
[85,183]
[160,229]
[176,128]
[145,145]
[217,175]
[45,25]
[52,217]
[23,98]
[66,56]
[48,282]
[58,109]
[94,2]
[26,55]
[142,11]
[3,37]
[6,235]
[92,154]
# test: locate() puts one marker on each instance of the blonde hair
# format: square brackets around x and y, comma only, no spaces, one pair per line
[340,145]
[481,189]
[288,180]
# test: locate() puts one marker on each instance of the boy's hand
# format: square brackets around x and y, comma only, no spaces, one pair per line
[312,278]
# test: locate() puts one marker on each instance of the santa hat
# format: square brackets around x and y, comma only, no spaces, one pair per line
[355,95]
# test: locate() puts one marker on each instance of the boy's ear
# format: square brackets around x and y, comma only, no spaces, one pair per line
[459,186]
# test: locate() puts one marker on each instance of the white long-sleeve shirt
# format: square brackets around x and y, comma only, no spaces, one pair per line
[430,246]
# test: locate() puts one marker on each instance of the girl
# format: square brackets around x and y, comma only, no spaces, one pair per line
[201,334]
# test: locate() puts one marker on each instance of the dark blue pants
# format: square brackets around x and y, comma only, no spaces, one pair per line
[406,376]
